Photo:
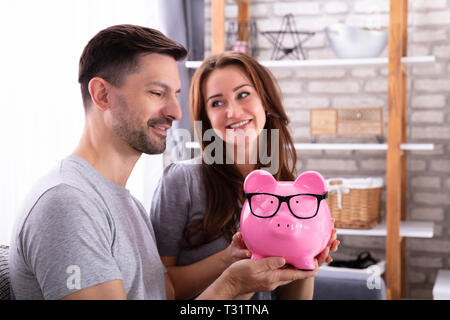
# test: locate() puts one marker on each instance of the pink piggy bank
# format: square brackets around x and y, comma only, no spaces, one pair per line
[285,218]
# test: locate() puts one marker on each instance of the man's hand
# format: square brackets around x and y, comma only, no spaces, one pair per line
[246,276]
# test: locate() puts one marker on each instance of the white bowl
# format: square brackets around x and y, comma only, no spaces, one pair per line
[351,42]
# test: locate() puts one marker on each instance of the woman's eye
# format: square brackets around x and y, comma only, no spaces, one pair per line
[243,94]
[216,103]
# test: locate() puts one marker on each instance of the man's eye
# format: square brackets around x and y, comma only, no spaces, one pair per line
[156,93]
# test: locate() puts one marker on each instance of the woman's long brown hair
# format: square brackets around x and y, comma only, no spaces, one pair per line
[223,182]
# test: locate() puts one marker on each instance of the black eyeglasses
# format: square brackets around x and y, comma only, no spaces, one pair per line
[302,205]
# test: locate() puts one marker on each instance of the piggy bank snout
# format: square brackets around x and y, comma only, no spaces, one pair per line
[284,226]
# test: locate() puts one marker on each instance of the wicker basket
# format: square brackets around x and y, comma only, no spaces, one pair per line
[355,203]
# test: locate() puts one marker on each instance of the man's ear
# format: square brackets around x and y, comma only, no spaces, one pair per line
[99,90]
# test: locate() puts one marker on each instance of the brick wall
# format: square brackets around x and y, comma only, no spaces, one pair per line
[428,115]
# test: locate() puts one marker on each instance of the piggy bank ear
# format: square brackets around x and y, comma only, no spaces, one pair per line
[311,182]
[258,181]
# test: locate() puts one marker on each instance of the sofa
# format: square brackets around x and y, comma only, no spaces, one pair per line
[4,273]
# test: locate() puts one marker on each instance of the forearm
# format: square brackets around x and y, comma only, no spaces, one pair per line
[297,290]
[190,280]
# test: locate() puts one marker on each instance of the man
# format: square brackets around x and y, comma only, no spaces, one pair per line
[81,235]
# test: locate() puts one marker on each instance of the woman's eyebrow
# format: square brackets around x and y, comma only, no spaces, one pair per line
[240,86]
[235,89]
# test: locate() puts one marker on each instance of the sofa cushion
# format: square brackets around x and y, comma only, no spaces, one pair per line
[4,274]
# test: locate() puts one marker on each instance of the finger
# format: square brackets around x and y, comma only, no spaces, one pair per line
[332,237]
[335,246]
[288,275]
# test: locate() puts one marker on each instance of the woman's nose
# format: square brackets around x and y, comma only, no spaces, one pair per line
[234,110]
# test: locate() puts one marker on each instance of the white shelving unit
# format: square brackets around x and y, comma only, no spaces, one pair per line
[330,62]
[345,146]
[410,229]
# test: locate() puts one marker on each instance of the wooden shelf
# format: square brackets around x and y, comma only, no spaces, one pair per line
[330,62]
[409,229]
[345,146]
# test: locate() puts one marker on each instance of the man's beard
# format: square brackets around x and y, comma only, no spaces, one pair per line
[138,136]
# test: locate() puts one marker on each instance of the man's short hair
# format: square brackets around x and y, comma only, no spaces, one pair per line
[113,53]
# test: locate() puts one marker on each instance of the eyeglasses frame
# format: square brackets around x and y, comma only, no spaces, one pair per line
[286,199]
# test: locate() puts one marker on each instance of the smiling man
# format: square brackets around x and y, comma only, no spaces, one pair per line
[81,234]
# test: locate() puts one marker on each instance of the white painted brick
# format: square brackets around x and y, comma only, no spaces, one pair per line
[447,183]
[358,102]
[429,101]
[426,182]
[432,85]
[373,164]
[370,6]
[333,86]
[332,164]
[440,165]
[335,7]
[428,214]
[307,102]
[430,245]
[434,199]
[430,132]
[427,4]
[416,165]
[372,21]
[317,74]
[300,133]
[298,116]
[442,51]
[428,35]
[416,277]
[418,50]
[364,72]
[377,85]
[297,8]
[434,69]
[430,18]
[287,86]
[427,117]
[426,262]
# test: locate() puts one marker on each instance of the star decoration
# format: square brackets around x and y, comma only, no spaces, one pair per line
[277,38]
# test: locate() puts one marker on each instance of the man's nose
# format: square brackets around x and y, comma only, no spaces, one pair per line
[172,109]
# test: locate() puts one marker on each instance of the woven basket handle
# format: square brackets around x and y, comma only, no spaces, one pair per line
[337,186]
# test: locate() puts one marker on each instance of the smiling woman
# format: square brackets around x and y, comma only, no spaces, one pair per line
[42,111]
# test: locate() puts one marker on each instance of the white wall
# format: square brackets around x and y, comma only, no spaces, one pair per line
[40,102]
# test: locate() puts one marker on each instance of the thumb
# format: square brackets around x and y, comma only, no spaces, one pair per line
[272,263]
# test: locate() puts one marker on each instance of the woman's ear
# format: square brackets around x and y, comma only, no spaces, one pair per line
[258,181]
[99,91]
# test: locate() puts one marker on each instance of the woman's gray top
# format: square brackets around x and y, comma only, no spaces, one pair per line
[178,200]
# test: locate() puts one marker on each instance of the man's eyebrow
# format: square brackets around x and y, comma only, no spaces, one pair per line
[235,89]
[160,84]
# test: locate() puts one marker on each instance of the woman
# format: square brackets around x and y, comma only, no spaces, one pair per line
[196,207]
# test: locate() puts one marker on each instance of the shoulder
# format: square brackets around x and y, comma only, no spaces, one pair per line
[188,170]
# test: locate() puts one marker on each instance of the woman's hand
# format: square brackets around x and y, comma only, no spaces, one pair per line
[236,250]
[332,246]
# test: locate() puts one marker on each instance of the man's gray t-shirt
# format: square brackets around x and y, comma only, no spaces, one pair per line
[78,229]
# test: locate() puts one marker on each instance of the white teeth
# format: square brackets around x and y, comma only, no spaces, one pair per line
[239,124]
[161,128]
